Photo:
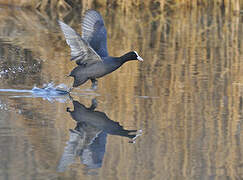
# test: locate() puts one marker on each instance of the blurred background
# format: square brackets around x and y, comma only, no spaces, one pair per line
[186,97]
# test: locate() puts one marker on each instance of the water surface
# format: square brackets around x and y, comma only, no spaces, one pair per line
[186,98]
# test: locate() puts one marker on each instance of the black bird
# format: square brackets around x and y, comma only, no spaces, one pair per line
[99,120]
[88,139]
[90,50]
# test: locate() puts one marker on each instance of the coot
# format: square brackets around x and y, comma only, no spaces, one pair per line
[90,50]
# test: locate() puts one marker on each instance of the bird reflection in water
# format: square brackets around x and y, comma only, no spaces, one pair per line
[88,139]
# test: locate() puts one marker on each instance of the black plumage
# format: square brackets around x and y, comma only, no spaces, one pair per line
[90,50]
[98,120]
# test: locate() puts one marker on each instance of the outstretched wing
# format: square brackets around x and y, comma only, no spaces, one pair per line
[94,32]
[80,49]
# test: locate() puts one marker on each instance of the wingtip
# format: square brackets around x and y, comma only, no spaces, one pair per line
[90,11]
[62,24]
[59,22]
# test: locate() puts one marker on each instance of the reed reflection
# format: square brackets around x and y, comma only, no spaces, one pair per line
[88,139]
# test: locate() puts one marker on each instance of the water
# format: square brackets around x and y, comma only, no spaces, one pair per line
[183,103]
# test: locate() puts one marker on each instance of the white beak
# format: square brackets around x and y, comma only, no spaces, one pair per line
[139,58]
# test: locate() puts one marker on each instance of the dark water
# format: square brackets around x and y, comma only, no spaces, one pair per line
[177,115]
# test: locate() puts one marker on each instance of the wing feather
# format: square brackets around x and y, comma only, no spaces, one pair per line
[80,49]
[94,32]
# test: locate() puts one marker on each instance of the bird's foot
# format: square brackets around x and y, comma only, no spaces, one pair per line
[94,84]
[70,89]
[93,87]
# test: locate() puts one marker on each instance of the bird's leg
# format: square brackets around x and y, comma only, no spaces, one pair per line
[70,97]
[70,90]
[93,105]
[94,84]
